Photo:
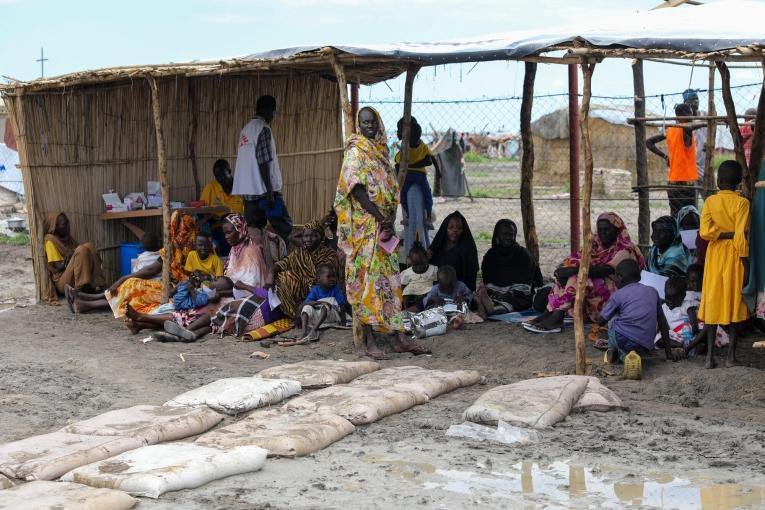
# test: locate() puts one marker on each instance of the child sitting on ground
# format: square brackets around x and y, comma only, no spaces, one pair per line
[680,314]
[202,262]
[693,284]
[417,280]
[448,289]
[325,305]
[633,313]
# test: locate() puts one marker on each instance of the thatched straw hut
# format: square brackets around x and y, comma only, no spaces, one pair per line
[82,134]
[613,145]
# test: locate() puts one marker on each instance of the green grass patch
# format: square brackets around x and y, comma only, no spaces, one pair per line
[718,159]
[474,157]
[15,240]
[483,236]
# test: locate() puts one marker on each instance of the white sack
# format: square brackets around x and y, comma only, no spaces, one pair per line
[153,424]
[320,373]
[5,482]
[154,470]
[358,404]
[48,456]
[535,403]
[411,378]
[597,397]
[63,496]
[238,394]
[283,432]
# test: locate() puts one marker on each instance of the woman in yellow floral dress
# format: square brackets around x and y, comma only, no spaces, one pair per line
[366,202]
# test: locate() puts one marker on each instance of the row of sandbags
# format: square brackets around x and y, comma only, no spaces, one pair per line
[119,450]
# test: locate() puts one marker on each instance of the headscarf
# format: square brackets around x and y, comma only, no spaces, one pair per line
[674,260]
[468,259]
[600,254]
[183,235]
[509,266]
[246,261]
[316,226]
[685,212]
[65,245]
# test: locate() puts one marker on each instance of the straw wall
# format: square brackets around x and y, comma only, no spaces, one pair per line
[77,144]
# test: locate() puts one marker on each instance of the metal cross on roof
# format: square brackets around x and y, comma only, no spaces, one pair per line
[42,61]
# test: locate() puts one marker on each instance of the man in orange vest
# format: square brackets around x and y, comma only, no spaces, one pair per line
[681,159]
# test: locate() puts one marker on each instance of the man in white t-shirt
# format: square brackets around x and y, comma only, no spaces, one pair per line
[257,175]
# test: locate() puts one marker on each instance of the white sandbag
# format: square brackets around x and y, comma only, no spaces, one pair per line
[430,382]
[48,456]
[5,482]
[320,373]
[503,433]
[154,470]
[238,394]
[358,404]
[63,496]
[153,424]
[283,432]
[535,403]
[597,397]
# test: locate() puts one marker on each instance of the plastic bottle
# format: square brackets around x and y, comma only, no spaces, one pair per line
[633,366]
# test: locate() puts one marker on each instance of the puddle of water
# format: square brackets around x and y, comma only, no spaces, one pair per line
[570,485]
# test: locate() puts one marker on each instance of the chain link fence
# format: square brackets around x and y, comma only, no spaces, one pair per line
[489,131]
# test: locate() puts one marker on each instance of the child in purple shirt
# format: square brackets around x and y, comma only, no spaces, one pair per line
[633,313]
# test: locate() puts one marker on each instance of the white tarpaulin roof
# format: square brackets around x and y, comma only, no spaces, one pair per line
[716,26]
[10,175]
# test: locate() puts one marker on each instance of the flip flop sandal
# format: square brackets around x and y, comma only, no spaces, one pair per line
[68,296]
[162,336]
[378,357]
[534,328]
[600,344]
[173,328]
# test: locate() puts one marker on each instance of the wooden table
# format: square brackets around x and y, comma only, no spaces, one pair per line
[124,216]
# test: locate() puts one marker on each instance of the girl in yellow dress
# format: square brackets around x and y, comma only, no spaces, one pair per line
[724,221]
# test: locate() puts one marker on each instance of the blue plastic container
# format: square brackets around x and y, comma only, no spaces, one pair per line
[128,251]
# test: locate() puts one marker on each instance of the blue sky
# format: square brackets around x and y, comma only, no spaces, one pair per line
[86,34]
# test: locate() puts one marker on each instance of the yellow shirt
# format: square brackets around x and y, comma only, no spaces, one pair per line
[416,154]
[214,195]
[212,265]
[52,253]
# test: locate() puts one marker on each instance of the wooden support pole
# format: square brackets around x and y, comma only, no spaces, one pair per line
[573,154]
[738,141]
[641,159]
[758,137]
[342,84]
[406,128]
[355,100]
[527,161]
[167,255]
[584,263]
[709,152]
[193,137]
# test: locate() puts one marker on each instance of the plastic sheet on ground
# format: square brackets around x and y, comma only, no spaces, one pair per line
[412,378]
[237,395]
[597,397]
[358,404]
[48,456]
[535,403]
[283,432]
[153,424]
[63,496]
[154,470]
[320,373]
[503,433]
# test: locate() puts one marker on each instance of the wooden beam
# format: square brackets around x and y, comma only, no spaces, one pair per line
[355,100]
[193,137]
[573,156]
[709,153]
[738,140]
[342,84]
[641,159]
[411,72]
[584,261]
[167,255]
[527,161]
[758,137]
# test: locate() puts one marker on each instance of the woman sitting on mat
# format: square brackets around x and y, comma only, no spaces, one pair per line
[295,275]
[69,264]
[454,246]
[668,255]
[140,289]
[610,245]
[510,274]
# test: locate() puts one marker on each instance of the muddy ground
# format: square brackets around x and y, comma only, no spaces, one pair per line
[690,438]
